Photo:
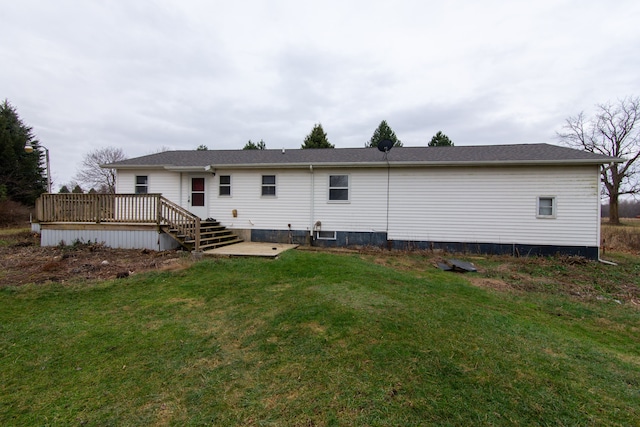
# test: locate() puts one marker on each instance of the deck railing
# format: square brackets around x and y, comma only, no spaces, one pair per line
[118,208]
[180,219]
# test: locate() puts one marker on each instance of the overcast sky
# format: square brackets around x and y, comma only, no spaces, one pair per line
[147,75]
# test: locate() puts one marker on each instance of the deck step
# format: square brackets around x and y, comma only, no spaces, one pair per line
[212,235]
[212,232]
[220,244]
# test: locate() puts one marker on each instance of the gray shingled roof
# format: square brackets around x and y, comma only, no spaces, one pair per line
[522,154]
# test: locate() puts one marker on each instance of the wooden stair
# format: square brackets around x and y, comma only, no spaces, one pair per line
[212,235]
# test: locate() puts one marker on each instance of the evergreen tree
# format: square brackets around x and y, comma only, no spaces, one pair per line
[64,190]
[317,139]
[200,147]
[22,174]
[381,133]
[440,140]
[253,146]
[77,190]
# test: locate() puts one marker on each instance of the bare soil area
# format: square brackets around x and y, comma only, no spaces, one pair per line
[22,260]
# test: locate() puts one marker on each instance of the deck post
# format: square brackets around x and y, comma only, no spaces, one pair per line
[96,202]
[197,233]
[158,210]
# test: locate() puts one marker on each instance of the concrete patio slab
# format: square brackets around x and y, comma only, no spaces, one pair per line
[259,249]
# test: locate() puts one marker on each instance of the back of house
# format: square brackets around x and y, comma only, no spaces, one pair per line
[516,199]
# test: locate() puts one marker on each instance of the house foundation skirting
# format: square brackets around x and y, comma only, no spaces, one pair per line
[345,239]
[513,249]
[122,236]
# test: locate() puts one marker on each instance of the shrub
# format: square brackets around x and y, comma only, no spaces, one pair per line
[14,214]
[625,237]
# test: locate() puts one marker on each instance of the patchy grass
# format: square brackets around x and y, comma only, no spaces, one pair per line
[12,236]
[319,339]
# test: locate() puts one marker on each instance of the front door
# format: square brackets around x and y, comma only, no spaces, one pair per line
[198,197]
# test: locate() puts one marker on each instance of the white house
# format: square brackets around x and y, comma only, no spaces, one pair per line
[515,199]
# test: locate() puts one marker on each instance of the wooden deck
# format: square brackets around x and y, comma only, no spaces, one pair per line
[92,211]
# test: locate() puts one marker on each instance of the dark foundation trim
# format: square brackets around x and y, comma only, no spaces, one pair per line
[348,238]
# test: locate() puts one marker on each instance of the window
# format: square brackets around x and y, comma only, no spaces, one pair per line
[326,235]
[268,185]
[339,188]
[546,207]
[225,185]
[197,192]
[141,184]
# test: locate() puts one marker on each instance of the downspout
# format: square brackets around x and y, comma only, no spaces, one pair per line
[311,205]
[599,228]
[388,191]
[180,190]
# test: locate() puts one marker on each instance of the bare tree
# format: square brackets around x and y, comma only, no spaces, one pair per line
[614,130]
[92,175]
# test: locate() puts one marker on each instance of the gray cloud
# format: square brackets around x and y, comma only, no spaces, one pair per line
[146,75]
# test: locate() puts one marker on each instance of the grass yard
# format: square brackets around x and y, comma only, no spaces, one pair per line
[315,339]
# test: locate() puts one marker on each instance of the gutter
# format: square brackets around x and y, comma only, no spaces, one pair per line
[372,164]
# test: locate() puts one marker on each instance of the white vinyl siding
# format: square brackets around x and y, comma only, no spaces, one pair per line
[495,205]
[440,204]
[164,182]
[366,210]
[291,206]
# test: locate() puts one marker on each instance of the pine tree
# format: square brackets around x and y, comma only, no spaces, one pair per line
[253,146]
[381,133]
[440,140]
[22,175]
[317,138]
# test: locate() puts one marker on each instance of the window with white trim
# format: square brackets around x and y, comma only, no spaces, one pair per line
[269,185]
[546,207]
[142,186]
[338,188]
[225,185]
[325,235]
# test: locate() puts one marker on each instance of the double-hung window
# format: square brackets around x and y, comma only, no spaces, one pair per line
[269,185]
[338,188]
[225,185]
[142,186]
[546,207]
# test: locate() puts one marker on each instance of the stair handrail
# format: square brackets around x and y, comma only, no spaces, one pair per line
[180,219]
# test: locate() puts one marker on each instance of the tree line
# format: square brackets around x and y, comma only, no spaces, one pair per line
[317,138]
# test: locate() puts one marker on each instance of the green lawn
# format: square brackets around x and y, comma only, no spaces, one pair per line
[313,339]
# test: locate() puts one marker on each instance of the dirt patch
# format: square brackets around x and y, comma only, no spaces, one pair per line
[485,282]
[23,261]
